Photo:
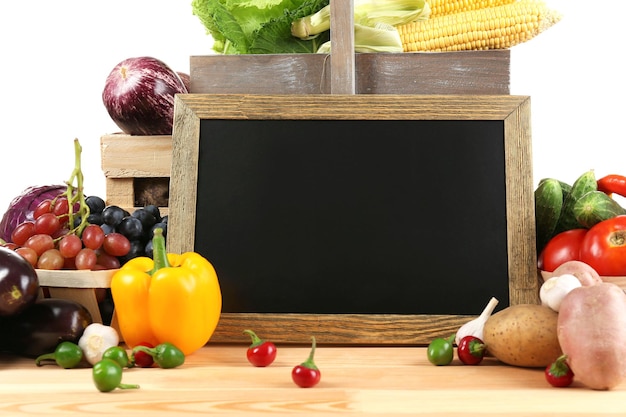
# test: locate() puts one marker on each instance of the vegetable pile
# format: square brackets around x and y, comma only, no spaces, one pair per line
[582,222]
[302,26]
[577,333]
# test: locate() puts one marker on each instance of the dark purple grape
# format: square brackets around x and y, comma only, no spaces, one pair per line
[113,215]
[131,227]
[154,210]
[148,250]
[107,228]
[147,219]
[95,204]
[95,218]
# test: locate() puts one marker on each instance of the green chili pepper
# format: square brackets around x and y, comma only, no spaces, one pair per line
[118,354]
[67,355]
[107,376]
[441,351]
[165,355]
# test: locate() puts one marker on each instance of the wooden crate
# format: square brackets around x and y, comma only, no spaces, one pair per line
[463,72]
[137,170]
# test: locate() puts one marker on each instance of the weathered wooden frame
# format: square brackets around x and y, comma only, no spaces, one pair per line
[362,329]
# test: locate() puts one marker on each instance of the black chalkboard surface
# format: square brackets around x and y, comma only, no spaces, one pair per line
[353,210]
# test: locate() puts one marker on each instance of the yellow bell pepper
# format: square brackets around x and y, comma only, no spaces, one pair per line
[171,298]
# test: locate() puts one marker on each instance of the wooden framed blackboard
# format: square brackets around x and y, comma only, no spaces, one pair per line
[363,219]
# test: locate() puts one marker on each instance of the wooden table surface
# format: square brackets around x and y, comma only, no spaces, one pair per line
[355,381]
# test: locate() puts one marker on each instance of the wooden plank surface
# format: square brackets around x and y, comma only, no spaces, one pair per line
[342,61]
[217,380]
[126,156]
[464,72]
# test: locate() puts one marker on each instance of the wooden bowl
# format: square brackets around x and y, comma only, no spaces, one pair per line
[76,285]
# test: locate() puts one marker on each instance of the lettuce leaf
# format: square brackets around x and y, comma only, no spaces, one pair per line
[255,26]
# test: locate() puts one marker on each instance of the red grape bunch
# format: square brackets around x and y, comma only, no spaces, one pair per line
[58,238]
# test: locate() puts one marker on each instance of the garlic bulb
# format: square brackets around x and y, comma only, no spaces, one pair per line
[475,327]
[554,290]
[96,339]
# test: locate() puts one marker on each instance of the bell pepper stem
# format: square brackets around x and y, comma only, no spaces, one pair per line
[159,253]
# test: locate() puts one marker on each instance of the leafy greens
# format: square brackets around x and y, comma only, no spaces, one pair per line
[257,26]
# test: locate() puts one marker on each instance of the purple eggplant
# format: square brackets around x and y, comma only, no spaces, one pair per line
[19,284]
[42,326]
[139,96]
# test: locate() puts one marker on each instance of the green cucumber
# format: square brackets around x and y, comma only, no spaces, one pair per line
[548,205]
[584,184]
[594,207]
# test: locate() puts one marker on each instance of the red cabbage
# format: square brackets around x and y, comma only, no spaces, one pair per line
[22,207]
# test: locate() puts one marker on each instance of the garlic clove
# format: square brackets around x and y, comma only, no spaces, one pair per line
[476,326]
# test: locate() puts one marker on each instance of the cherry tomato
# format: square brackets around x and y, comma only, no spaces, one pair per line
[261,352]
[142,359]
[563,247]
[604,247]
[471,350]
[307,374]
[558,374]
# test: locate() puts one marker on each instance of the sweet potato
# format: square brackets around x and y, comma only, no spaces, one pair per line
[523,335]
[591,329]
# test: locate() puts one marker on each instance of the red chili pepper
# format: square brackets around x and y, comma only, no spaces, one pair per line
[307,375]
[471,350]
[142,359]
[613,183]
[559,374]
[261,352]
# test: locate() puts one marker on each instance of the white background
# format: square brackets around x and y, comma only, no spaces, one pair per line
[55,56]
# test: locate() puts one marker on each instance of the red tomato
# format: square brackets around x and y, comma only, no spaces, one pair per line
[563,247]
[604,247]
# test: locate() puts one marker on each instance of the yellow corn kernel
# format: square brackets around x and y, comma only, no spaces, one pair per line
[497,27]
[443,7]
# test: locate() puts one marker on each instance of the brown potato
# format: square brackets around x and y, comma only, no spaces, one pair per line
[592,332]
[523,335]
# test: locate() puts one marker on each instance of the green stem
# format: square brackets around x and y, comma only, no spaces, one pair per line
[309,363]
[256,340]
[159,253]
[75,194]
[45,356]
[128,386]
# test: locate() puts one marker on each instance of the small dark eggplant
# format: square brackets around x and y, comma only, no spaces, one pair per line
[19,284]
[42,326]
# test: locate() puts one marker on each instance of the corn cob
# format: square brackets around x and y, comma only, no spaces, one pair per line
[498,27]
[443,7]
